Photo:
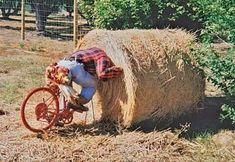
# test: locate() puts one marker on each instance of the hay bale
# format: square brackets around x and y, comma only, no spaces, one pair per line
[156,84]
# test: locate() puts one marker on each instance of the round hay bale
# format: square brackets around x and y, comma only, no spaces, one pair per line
[157,83]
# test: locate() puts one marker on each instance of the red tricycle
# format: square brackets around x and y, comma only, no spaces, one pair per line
[44,107]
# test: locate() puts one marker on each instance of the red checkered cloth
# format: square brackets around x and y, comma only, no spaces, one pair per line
[96,62]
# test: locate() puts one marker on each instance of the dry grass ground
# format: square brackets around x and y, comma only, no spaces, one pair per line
[21,68]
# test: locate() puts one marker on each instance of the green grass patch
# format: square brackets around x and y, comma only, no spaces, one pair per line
[18,75]
[15,62]
[13,89]
[10,92]
[204,148]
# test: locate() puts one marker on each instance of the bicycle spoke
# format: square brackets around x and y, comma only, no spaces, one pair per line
[46,119]
[50,103]
[53,113]
[48,100]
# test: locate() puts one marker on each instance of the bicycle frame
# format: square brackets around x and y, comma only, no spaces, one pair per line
[47,110]
[65,114]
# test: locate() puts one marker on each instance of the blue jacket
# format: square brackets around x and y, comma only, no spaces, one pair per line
[81,77]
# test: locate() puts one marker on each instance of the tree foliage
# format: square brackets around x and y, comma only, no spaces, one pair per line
[42,8]
[9,7]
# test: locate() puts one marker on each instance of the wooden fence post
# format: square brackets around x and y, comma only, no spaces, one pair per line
[75,24]
[22,19]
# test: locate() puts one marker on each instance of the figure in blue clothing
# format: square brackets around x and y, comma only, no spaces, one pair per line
[85,68]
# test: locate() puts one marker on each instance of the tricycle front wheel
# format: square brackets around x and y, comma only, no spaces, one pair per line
[40,109]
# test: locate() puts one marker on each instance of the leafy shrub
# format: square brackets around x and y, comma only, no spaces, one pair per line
[122,14]
[228,112]
[220,70]
[215,17]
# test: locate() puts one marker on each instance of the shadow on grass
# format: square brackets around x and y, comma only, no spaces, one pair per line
[56,19]
[17,20]
[94,129]
[17,28]
[206,121]
[63,33]
[202,123]
[55,29]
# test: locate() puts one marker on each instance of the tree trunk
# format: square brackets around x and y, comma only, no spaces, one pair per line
[42,11]
[42,8]
[6,13]
[70,13]
[41,17]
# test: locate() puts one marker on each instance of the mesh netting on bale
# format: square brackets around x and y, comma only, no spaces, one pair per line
[157,83]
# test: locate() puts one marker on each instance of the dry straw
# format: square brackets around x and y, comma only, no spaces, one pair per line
[157,83]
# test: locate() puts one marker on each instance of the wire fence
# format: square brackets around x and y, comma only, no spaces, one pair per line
[50,18]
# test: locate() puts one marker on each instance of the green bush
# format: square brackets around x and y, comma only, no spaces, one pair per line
[216,17]
[122,14]
[228,112]
[220,70]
